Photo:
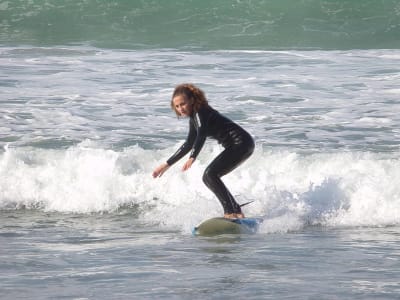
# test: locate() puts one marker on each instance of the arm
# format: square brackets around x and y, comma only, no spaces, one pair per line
[198,142]
[182,151]
[201,136]
[186,146]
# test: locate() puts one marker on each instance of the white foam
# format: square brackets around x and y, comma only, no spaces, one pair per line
[290,190]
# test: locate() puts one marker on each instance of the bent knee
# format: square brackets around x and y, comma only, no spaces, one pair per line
[208,176]
[250,148]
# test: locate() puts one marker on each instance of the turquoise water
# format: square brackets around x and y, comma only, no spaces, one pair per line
[85,117]
[260,24]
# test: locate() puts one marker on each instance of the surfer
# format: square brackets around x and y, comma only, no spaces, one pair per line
[204,121]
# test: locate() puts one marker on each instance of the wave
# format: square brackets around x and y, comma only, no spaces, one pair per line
[249,24]
[290,190]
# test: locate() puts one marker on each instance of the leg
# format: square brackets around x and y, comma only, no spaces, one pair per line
[224,163]
[213,181]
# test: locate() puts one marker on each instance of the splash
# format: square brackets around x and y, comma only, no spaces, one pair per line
[290,190]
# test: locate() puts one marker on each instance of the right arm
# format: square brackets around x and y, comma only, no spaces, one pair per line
[181,152]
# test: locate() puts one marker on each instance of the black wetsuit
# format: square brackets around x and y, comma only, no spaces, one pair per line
[238,144]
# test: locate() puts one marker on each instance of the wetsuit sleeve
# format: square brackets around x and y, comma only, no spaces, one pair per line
[186,146]
[201,136]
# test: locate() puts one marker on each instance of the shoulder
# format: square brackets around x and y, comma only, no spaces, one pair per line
[201,117]
[206,111]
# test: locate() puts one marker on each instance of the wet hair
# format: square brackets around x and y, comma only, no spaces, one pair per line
[192,93]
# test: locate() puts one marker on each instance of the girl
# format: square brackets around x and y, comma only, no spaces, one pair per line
[189,101]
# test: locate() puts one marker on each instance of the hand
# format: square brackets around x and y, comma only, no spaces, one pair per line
[188,164]
[160,170]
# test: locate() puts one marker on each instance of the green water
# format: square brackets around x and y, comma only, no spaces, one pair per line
[206,24]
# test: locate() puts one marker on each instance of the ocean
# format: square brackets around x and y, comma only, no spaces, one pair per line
[85,118]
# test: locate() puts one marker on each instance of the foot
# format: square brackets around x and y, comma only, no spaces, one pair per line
[240,216]
[230,216]
[234,216]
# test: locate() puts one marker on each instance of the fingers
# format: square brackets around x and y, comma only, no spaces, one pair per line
[188,164]
[185,167]
[159,171]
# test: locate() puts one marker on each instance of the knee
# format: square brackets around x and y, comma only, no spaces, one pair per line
[208,177]
[248,150]
[250,147]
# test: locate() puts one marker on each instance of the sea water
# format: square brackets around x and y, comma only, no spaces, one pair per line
[85,118]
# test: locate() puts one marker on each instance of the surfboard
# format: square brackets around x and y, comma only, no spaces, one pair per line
[217,226]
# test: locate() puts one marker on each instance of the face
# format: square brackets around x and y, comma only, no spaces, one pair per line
[182,105]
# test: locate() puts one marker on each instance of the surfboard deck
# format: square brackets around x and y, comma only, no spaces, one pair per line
[218,226]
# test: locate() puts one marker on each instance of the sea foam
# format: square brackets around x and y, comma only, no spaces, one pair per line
[290,190]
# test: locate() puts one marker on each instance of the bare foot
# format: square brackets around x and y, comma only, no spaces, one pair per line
[230,216]
[234,216]
[240,216]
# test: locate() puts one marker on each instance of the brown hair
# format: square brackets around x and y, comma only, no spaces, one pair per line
[195,95]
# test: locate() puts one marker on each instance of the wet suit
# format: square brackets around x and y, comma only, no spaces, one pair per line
[238,144]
